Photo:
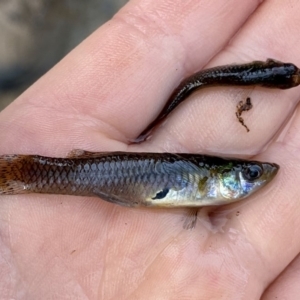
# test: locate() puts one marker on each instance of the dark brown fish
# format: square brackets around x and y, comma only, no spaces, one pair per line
[270,74]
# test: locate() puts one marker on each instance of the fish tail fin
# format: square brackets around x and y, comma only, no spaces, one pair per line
[11,181]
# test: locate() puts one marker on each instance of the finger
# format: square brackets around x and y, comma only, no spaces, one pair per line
[116,81]
[286,286]
[207,121]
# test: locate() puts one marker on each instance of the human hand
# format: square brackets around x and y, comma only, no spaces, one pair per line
[104,94]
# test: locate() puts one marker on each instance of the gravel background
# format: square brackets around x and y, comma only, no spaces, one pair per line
[35,34]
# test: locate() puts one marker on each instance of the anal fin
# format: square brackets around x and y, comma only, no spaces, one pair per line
[191,219]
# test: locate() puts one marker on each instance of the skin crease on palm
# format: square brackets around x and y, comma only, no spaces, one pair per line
[105,93]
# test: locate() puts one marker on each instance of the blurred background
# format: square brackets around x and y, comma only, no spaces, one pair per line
[35,34]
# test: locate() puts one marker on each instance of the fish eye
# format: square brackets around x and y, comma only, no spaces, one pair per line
[252,172]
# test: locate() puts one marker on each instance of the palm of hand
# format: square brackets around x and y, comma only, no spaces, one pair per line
[87,248]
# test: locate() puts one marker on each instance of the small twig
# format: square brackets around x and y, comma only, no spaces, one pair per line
[240,108]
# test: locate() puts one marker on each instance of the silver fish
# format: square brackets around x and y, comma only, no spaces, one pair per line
[137,179]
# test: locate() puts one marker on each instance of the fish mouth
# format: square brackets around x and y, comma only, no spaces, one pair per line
[270,171]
